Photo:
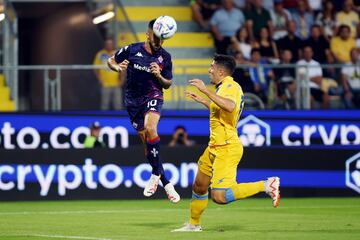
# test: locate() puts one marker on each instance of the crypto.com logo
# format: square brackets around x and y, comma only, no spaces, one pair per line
[254,132]
[353,172]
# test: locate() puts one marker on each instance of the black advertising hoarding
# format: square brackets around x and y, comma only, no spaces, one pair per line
[122,173]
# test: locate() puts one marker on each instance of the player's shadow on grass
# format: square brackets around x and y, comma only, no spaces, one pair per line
[224,228]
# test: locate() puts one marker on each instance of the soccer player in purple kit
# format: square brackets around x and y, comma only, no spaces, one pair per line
[149,69]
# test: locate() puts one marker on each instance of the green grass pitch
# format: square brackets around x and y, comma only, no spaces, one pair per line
[301,218]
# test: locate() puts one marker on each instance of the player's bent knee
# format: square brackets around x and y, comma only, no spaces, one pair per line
[199,188]
[218,196]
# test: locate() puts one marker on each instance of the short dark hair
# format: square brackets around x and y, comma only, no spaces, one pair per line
[307,46]
[315,26]
[95,125]
[180,127]
[342,27]
[226,61]
[255,50]
[151,23]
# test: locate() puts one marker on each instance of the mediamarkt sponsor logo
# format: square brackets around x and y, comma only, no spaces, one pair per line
[34,139]
[70,177]
[142,68]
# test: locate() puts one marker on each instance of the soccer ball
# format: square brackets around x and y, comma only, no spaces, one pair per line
[165,27]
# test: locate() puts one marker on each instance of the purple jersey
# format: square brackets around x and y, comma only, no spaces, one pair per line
[141,84]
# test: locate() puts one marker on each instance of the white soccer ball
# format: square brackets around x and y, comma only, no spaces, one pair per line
[165,27]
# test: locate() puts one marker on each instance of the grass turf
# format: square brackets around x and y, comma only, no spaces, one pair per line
[308,218]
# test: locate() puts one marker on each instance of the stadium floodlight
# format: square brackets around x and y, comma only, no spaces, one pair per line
[103,17]
[2,16]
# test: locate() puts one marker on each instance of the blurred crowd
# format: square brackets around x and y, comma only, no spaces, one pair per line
[307,33]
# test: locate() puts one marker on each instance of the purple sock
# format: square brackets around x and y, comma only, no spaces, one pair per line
[153,156]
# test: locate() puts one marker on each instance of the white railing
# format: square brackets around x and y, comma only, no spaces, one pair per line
[53,90]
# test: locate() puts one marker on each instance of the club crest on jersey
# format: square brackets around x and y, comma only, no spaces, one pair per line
[160,59]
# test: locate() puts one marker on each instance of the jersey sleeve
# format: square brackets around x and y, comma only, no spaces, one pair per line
[122,54]
[167,70]
[230,91]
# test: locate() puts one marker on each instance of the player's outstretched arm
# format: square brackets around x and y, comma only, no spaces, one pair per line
[117,67]
[197,98]
[224,103]
[155,69]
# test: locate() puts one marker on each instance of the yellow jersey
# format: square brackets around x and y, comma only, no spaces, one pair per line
[222,123]
[107,77]
[342,48]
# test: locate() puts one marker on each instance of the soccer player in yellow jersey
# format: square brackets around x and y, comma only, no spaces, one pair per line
[217,166]
[110,81]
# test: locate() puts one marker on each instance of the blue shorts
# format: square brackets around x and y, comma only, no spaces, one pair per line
[137,114]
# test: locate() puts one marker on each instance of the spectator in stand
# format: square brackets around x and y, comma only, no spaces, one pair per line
[342,44]
[241,43]
[291,42]
[348,17]
[327,20]
[286,81]
[279,16]
[93,141]
[310,70]
[202,11]
[350,76]
[224,24]
[261,77]
[319,45]
[181,138]
[267,46]
[256,18]
[111,82]
[303,20]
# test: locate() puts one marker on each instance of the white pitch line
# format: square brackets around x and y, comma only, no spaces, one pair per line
[87,212]
[168,210]
[55,236]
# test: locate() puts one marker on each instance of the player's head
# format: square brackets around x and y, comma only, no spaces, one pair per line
[109,44]
[154,41]
[308,53]
[286,56]
[222,66]
[344,31]
[95,129]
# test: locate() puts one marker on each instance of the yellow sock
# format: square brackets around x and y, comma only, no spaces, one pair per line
[243,190]
[197,206]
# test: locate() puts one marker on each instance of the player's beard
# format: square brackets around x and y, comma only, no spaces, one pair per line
[153,47]
[155,43]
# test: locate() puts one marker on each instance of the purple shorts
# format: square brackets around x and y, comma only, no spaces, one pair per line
[137,114]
